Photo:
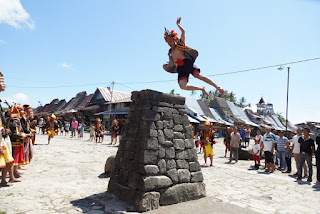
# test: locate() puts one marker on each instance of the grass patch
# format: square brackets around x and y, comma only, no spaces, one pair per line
[3,212]
[8,195]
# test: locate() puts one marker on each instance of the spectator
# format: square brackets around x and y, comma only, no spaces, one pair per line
[269,140]
[281,145]
[227,139]
[296,152]
[288,155]
[197,141]
[306,150]
[74,126]
[318,159]
[242,133]
[247,136]
[234,144]
[256,153]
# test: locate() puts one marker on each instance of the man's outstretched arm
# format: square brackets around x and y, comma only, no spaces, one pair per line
[182,38]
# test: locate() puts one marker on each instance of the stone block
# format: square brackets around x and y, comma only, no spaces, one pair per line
[196,177]
[182,192]
[194,166]
[163,104]
[147,124]
[173,175]
[178,135]
[189,143]
[181,155]
[168,124]
[134,180]
[147,201]
[176,106]
[161,138]
[177,119]
[162,165]
[149,142]
[159,125]
[151,115]
[168,134]
[148,157]
[171,164]
[170,152]
[184,175]
[185,120]
[178,128]
[192,154]
[182,164]
[109,166]
[156,182]
[124,193]
[161,152]
[178,144]
[148,132]
[151,169]
[167,143]
[182,111]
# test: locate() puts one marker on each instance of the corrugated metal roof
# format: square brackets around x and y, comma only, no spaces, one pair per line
[116,95]
[239,113]
[192,120]
[193,105]
[218,117]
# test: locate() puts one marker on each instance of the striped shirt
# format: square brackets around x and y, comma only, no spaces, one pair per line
[281,143]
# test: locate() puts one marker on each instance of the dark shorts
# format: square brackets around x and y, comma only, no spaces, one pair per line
[268,156]
[246,139]
[185,68]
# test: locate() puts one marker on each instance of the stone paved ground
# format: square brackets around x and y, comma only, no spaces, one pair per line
[65,177]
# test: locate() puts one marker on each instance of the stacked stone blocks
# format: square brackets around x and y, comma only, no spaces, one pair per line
[156,163]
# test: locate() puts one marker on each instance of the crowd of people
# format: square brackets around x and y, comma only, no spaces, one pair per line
[97,130]
[274,147]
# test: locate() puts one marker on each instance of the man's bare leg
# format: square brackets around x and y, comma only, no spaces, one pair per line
[209,81]
[183,83]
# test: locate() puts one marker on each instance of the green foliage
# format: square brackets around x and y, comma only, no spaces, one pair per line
[279,115]
[3,212]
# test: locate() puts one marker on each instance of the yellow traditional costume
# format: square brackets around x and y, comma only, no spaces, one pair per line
[207,140]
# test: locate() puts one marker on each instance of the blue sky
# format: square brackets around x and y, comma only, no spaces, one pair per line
[92,43]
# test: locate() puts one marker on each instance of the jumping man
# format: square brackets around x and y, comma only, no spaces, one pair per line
[181,59]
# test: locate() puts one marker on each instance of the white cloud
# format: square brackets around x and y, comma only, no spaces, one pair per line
[17,98]
[65,65]
[13,13]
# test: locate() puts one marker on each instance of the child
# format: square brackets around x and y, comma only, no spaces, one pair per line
[207,139]
[256,153]
[197,141]
[82,130]
[181,61]
[288,155]
[91,132]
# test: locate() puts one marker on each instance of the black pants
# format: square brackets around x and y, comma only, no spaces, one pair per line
[318,168]
[302,158]
[288,162]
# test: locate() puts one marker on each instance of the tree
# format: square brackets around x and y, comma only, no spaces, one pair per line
[279,115]
[172,92]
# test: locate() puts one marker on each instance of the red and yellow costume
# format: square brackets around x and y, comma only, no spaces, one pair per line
[207,140]
[16,136]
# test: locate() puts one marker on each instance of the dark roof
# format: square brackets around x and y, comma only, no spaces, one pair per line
[74,102]
[221,105]
[205,109]
[58,106]
[84,102]
[261,101]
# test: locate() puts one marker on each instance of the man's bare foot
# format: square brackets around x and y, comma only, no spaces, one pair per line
[17,175]
[14,180]
[221,90]
[5,184]
[204,91]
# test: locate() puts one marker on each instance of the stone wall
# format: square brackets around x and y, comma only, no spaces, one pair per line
[156,163]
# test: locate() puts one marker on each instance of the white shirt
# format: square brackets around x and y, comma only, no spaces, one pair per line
[296,149]
[260,137]
[268,141]
[255,149]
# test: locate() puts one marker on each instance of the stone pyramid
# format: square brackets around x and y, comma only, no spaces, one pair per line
[156,163]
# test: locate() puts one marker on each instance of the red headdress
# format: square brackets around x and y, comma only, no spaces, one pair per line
[14,111]
[207,123]
[170,35]
[98,119]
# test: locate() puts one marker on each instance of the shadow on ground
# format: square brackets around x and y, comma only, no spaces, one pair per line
[102,203]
